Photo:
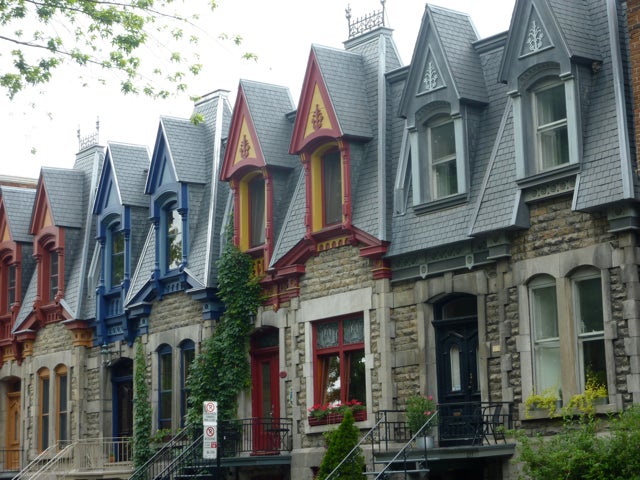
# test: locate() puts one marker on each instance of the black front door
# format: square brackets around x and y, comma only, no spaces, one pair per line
[456,328]
[122,381]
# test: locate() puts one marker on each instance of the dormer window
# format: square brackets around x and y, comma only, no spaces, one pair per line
[331,188]
[52,275]
[438,157]
[441,141]
[256,211]
[116,256]
[173,235]
[552,143]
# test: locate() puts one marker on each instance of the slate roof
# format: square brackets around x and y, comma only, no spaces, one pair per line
[65,191]
[344,76]
[456,33]
[187,147]
[18,204]
[495,199]
[130,167]
[268,106]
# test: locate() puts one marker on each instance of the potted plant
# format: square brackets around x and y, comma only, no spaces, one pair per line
[420,410]
[549,401]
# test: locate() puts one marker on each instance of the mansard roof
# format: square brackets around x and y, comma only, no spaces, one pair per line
[18,205]
[495,199]
[207,196]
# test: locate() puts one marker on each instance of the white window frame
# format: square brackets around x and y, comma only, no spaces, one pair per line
[546,344]
[582,338]
[434,163]
[554,127]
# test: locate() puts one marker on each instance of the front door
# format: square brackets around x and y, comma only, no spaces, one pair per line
[265,392]
[12,460]
[122,382]
[456,328]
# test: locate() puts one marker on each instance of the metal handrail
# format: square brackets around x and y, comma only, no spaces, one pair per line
[44,455]
[49,465]
[407,446]
[163,457]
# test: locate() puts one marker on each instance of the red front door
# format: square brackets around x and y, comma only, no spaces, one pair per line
[265,392]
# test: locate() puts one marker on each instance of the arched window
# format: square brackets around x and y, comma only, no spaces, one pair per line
[543,306]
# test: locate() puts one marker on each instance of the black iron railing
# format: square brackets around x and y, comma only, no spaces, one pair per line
[262,436]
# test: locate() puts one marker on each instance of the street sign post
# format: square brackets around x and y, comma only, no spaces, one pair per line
[210,430]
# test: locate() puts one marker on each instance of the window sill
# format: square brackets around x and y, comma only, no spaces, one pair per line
[323,424]
[440,204]
[550,183]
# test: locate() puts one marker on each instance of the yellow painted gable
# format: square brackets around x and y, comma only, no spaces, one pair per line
[5,234]
[245,148]
[318,117]
[46,218]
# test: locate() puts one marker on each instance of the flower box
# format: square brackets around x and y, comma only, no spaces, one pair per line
[336,418]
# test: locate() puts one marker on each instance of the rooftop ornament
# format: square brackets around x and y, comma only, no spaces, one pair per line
[366,23]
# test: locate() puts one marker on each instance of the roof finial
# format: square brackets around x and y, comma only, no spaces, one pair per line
[365,23]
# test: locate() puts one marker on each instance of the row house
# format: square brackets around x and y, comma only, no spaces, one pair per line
[463,226]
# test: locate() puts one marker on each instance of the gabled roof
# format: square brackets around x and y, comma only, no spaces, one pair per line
[180,150]
[444,56]
[126,167]
[542,25]
[18,205]
[333,101]
[261,131]
[64,192]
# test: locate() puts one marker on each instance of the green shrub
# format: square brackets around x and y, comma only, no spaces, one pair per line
[341,442]
[583,450]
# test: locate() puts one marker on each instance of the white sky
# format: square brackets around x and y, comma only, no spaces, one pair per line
[280,32]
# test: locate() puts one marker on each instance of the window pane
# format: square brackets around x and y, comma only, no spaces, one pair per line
[257,214]
[446,179]
[551,105]
[554,147]
[357,384]
[332,375]
[353,331]
[595,365]
[545,313]
[589,306]
[548,367]
[117,258]
[165,389]
[53,275]
[454,356]
[332,184]
[11,288]
[443,141]
[327,335]
[174,239]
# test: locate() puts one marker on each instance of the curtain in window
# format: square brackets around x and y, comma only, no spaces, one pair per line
[544,312]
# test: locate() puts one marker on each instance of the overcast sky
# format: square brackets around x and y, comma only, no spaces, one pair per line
[39,127]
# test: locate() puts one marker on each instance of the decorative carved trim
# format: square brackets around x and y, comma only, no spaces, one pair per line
[431,77]
[245,147]
[333,243]
[534,37]
[550,189]
[317,118]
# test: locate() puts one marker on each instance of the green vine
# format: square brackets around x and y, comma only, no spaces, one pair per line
[141,409]
[221,370]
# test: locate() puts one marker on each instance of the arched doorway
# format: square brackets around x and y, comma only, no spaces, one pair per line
[456,333]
